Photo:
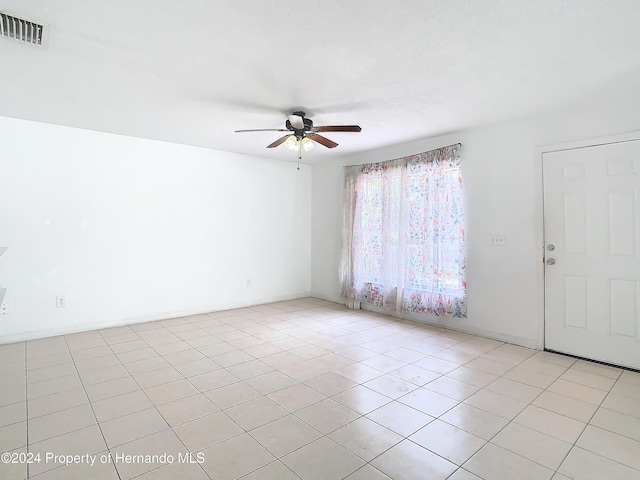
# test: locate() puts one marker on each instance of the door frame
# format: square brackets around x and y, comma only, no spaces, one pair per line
[539,201]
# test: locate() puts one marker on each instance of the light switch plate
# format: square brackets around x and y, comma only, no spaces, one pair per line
[496,240]
[4,307]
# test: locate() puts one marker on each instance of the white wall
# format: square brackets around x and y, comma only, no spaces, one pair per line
[131,229]
[503,186]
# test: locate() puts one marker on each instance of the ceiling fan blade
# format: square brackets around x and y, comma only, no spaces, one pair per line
[279,141]
[338,128]
[263,130]
[297,121]
[322,140]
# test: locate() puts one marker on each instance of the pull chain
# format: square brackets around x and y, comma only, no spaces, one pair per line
[299,153]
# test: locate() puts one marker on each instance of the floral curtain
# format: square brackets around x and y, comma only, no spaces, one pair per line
[403,234]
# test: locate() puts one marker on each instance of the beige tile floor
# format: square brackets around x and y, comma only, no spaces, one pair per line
[309,390]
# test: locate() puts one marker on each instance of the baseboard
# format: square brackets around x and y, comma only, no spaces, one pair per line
[515,340]
[327,298]
[25,336]
[85,327]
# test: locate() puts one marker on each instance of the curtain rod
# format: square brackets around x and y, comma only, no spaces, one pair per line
[446,146]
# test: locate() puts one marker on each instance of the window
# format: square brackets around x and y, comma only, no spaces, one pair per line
[403,245]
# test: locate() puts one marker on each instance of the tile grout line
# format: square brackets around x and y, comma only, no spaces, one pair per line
[586,424]
[204,393]
[406,438]
[90,403]
[516,416]
[248,432]
[155,407]
[324,343]
[26,401]
[487,441]
[391,400]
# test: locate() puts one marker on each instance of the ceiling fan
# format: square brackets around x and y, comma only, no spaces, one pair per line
[300,128]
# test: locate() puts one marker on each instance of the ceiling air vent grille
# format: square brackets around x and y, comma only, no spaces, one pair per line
[22,30]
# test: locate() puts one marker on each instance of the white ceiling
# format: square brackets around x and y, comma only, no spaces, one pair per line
[193,71]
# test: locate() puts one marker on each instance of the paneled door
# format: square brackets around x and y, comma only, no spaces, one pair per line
[592,258]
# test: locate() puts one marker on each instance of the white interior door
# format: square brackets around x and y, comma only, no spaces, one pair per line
[592,264]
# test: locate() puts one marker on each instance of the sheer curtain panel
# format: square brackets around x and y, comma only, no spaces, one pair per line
[403,234]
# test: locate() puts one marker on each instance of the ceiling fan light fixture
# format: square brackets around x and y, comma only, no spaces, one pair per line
[307,144]
[292,143]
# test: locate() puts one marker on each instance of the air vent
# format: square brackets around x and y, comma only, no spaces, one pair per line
[22,30]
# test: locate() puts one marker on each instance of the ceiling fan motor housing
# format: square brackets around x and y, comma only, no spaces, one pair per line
[300,132]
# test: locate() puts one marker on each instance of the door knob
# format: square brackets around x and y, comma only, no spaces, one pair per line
[551,261]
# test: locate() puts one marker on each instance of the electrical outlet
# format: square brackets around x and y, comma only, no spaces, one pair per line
[496,240]
[61,301]
[4,309]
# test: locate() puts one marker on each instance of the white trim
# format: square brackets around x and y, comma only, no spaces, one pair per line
[590,142]
[539,202]
[327,298]
[85,327]
[522,341]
